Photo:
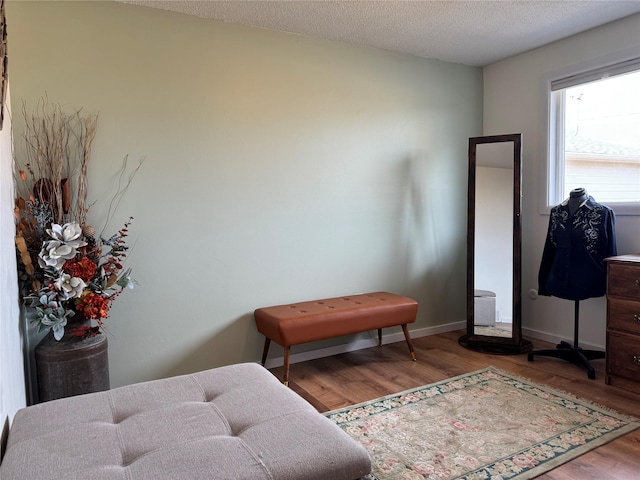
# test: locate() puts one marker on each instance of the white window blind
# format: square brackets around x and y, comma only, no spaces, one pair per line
[595,74]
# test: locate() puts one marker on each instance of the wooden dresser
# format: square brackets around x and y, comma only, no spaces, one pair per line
[623,322]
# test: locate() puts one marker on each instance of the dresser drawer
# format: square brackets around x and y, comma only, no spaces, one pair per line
[624,280]
[623,315]
[623,355]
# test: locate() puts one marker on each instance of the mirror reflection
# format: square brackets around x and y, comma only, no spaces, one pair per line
[493,249]
[494,236]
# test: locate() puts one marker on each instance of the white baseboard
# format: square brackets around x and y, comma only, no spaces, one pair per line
[362,343]
[548,337]
[398,337]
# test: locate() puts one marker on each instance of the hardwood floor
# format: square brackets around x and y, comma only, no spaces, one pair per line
[342,380]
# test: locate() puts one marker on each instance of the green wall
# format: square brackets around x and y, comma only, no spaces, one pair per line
[279,168]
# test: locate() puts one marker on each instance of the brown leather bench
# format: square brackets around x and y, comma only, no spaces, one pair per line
[314,320]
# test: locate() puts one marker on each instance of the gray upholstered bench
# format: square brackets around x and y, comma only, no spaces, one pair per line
[230,423]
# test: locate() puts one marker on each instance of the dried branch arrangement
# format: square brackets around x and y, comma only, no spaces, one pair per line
[67,273]
[57,150]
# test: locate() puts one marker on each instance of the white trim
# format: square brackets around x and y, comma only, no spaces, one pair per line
[531,333]
[577,70]
[558,103]
[363,343]
[548,139]
[399,337]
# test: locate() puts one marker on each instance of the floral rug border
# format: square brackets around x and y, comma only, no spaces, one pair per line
[551,452]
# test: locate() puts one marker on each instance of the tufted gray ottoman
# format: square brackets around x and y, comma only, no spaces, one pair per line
[230,423]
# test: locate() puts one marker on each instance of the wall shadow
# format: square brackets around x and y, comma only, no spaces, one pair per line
[239,341]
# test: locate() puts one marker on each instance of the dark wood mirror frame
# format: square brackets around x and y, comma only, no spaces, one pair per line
[500,345]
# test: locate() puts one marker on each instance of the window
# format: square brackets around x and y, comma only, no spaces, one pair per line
[594,137]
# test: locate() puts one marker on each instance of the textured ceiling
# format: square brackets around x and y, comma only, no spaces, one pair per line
[470,32]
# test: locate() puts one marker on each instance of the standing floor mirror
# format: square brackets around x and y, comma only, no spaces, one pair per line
[494,239]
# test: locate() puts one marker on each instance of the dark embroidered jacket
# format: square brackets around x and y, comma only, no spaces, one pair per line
[572,265]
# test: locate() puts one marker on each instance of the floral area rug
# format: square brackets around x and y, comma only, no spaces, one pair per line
[483,425]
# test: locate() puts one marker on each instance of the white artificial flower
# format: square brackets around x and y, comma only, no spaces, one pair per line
[55,254]
[69,234]
[71,287]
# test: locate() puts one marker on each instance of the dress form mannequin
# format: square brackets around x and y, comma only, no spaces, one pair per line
[576,198]
[581,235]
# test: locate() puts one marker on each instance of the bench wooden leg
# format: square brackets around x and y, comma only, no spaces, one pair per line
[287,351]
[379,337]
[406,335]
[267,342]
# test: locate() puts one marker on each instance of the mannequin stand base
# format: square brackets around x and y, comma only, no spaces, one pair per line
[575,355]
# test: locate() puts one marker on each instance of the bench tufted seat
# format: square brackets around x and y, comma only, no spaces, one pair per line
[314,320]
[235,422]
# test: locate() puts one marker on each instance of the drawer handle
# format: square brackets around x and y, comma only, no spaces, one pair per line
[636,359]
[636,318]
[637,283]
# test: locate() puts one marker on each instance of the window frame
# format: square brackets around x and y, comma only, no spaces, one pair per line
[553,173]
